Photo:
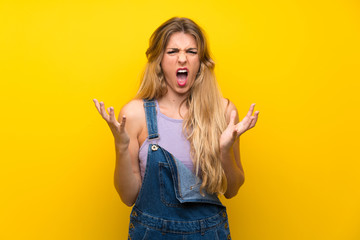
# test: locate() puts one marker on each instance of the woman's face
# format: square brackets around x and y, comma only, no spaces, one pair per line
[180,63]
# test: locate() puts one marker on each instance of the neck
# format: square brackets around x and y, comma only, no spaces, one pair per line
[174,99]
[171,104]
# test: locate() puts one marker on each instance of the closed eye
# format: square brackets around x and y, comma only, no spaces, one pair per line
[177,50]
[192,52]
[172,51]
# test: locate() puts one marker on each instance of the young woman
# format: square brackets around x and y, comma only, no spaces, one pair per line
[177,141]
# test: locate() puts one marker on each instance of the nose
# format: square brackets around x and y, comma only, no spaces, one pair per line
[182,57]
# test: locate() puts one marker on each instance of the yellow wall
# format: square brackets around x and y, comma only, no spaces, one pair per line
[299,61]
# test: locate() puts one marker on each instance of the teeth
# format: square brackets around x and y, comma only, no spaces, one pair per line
[182,71]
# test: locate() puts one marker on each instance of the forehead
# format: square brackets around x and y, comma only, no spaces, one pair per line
[181,40]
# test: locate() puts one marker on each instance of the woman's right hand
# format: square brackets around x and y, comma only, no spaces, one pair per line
[118,129]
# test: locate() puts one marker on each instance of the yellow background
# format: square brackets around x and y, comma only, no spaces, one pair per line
[299,61]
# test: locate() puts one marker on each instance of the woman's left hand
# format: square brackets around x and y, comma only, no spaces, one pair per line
[234,130]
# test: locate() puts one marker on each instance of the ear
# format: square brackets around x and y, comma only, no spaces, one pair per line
[200,69]
[158,69]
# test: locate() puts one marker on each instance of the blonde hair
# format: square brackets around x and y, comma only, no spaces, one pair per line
[205,120]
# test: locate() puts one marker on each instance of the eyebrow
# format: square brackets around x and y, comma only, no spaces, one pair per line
[186,49]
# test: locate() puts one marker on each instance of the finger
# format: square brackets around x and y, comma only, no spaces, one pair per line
[254,119]
[103,112]
[123,121]
[97,105]
[251,110]
[111,115]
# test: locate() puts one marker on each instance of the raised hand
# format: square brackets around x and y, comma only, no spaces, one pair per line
[117,129]
[234,129]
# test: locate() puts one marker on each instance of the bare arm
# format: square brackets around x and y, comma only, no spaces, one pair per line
[230,147]
[127,178]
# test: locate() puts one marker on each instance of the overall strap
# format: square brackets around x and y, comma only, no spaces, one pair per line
[151,120]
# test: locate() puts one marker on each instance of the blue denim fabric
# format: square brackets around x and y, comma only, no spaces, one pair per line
[188,185]
[150,111]
[169,205]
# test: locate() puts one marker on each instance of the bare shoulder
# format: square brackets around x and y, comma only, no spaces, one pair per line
[229,107]
[133,109]
[134,113]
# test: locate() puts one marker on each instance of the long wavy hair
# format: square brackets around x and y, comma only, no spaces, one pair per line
[205,120]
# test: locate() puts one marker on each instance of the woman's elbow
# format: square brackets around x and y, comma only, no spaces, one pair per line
[127,200]
[230,193]
[128,203]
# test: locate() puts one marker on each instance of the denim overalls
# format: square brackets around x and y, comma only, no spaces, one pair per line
[169,204]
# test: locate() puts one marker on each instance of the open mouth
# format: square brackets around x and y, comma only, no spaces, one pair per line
[182,75]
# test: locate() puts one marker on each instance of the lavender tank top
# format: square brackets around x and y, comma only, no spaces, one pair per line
[170,138]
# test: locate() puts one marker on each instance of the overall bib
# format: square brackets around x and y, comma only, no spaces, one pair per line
[169,204]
